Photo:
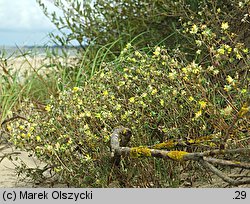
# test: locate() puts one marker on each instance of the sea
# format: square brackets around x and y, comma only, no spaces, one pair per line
[40,51]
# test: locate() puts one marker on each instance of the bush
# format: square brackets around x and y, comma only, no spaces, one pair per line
[102,29]
[160,97]
[104,21]
[198,89]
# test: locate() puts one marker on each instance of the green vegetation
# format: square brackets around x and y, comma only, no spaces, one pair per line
[186,83]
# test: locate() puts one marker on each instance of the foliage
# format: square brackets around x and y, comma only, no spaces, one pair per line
[168,93]
[101,29]
[103,22]
[159,96]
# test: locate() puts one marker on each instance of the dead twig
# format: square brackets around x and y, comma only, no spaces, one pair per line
[7,155]
[223,176]
[223,162]
[121,136]
[16,116]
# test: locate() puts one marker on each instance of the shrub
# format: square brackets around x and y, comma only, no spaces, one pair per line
[102,22]
[102,33]
[199,89]
[159,96]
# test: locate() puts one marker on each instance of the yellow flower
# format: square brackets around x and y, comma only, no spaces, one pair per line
[138,54]
[57,170]
[198,43]
[81,115]
[31,128]
[229,50]
[221,51]
[9,128]
[191,98]
[38,138]
[48,108]
[238,56]
[79,101]
[198,52]
[121,83]
[243,91]
[198,114]
[162,102]
[203,104]
[86,127]
[69,141]
[227,88]
[184,70]
[118,107]
[245,50]
[224,26]
[194,29]
[132,100]
[215,72]
[143,104]
[98,115]
[154,91]
[87,157]
[88,113]
[229,79]
[21,127]
[105,93]
[244,110]
[172,75]
[75,89]
[128,46]
[102,75]
[157,51]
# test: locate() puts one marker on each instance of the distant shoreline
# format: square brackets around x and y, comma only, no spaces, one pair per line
[9,51]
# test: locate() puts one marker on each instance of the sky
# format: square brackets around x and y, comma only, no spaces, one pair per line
[22,22]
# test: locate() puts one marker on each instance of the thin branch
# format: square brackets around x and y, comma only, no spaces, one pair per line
[13,118]
[3,148]
[122,136]
[227,163]
[220,174]
[8,154]
[215,152]
[238,176]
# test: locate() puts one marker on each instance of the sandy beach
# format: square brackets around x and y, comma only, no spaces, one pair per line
[8,176]
[25,65]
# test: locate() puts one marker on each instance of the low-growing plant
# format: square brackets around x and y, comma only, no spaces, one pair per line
[159,97]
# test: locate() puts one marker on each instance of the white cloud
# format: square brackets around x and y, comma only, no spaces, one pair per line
[23,15]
